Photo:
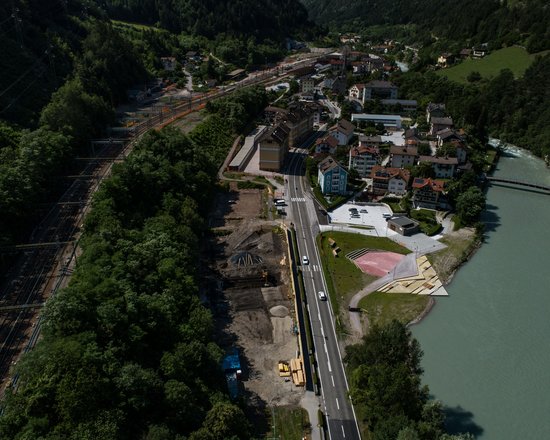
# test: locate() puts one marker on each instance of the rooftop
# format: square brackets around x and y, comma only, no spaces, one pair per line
[439,160]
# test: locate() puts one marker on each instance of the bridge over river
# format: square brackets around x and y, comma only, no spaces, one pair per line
[518,182]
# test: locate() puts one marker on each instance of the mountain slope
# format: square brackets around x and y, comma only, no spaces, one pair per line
[261,19]
[500,22]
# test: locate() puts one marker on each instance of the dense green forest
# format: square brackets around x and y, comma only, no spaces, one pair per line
[385,385]
[261,19]
[127,348]
[468,21]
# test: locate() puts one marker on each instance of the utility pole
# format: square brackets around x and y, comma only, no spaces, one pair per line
[18,30]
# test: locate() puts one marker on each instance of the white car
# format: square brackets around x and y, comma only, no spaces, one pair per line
[322,295]
[305,260]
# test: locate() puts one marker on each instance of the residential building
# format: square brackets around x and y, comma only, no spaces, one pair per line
[307,84]
[299,118]
[389,180]
[379,89]
[402,156]
[370,141]
[273,146]
[445,59]
[465,53]
[434,110]
[326,144]
[411,136]
[339,86]
[389,121]
[479,52]
[332,177]
[443,167]
[447,135]
[356,91]
[438,124]
[168,63]
[363,159]
[342,131]
[428,193]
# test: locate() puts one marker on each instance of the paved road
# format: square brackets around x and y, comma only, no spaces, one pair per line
[334,388]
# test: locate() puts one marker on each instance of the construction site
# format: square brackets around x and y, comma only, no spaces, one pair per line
[250,292]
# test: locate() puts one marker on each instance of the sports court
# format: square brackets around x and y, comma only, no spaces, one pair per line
[377,263]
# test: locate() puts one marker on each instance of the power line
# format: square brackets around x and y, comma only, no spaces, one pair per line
[25,73]
[14,100]
[7,19]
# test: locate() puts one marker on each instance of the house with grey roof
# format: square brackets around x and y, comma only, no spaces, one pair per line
[379,89]
[332,177]
[443,167]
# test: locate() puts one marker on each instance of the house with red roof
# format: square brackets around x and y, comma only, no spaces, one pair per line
[429,193]
[388,180]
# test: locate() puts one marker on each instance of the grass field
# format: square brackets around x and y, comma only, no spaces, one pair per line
[136,26]
[343,277]
[381,308]
[290,423]
[514,58]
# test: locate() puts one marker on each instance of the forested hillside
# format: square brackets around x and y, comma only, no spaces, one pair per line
[261,19]
[497,22]
[127,349]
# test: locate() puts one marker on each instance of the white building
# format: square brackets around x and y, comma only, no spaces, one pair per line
[389,121]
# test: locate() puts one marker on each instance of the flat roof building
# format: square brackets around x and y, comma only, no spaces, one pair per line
[389,121]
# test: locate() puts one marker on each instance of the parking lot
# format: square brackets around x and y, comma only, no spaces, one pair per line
[365,215]
[344,219]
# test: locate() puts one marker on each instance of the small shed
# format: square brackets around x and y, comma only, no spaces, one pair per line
[403,225]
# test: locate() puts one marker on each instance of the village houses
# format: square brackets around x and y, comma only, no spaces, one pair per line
[332,177]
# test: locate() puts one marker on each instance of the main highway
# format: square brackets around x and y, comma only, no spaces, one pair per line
[335,401]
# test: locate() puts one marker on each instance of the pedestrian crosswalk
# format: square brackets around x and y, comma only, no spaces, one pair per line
[311,268]
[298,199]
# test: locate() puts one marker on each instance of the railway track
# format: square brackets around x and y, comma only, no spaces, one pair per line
[45,264]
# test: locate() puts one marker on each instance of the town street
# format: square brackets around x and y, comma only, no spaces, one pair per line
[335,402]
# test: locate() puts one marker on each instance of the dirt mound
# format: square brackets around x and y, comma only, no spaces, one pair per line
[279,311]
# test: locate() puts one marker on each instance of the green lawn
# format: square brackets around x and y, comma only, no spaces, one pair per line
[343,277]
[514,58]
[289,423]
[381,308]
[428,222]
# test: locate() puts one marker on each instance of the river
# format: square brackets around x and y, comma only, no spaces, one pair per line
[486,353]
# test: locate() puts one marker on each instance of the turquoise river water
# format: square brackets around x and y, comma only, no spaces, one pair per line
[487,346]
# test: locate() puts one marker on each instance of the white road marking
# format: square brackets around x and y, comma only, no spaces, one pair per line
[343,432]
[298,199]
[332,377]
[337,404]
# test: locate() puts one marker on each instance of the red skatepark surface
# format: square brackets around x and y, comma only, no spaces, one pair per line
[378,263]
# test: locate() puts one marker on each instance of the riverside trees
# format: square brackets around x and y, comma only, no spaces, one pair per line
[385,384]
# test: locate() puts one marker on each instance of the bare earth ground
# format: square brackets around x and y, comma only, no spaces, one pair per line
[460,245]
[256,316]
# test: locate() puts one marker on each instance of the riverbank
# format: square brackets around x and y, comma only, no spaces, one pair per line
[490,334]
